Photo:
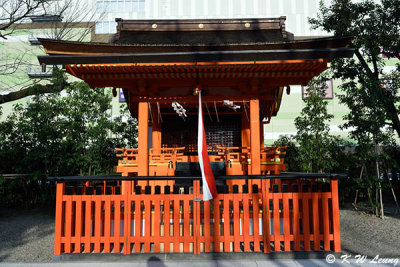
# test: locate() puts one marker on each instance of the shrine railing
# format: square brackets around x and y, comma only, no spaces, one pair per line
[111,214]
[163,162]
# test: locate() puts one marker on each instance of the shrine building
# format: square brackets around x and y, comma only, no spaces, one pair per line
[242,68]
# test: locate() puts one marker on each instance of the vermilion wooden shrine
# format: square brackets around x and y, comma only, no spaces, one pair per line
[155,204]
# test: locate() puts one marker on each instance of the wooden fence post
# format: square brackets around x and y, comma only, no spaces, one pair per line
[335,214]
[59,212]
[266,215]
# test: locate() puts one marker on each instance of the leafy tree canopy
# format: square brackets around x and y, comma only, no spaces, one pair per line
[370,93]
[67,134]
[57,134]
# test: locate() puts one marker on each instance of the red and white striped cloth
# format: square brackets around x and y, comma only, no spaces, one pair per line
[209,188]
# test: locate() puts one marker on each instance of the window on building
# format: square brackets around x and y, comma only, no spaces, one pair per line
[46,18]
[328,90]
[105,27]
[120,6]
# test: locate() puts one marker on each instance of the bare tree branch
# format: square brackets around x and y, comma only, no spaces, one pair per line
[77,22]
[12,12]
[33,90]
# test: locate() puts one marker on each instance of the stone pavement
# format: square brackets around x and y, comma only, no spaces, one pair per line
[162,260]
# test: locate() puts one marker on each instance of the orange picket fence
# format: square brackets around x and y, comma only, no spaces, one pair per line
[293,215]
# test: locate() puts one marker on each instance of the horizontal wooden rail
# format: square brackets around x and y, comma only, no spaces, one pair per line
[283,176]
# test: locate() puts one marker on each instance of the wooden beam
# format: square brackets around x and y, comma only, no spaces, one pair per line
[141,85]
[116,75]
[192,99]
[255,85]
[189,82]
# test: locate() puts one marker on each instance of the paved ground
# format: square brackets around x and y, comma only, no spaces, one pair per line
[27,236]
[200,263]
[369,235]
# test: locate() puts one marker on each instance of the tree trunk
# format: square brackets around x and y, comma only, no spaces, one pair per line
[368,190]
[376,202]
[355,199]
[380,190]
[377,152]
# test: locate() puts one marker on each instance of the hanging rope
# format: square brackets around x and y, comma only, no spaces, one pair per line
[245,110]
[151,113]
[208,111]
[159,113]
[216,112]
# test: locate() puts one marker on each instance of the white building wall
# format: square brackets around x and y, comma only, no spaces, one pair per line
[296,11]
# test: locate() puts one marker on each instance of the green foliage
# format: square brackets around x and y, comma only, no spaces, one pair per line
[292,152]
[313,149]
[125,129]
[60,134]
[315,143]
[376,28]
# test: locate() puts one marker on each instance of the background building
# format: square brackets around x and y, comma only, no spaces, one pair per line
[296,11]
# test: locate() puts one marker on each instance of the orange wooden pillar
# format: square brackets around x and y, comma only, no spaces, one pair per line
[143,142]
[335,214]
[255,138]
[245,143]
[261,134]
[59,218]
[156,140]
[245,129]
[156,130]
